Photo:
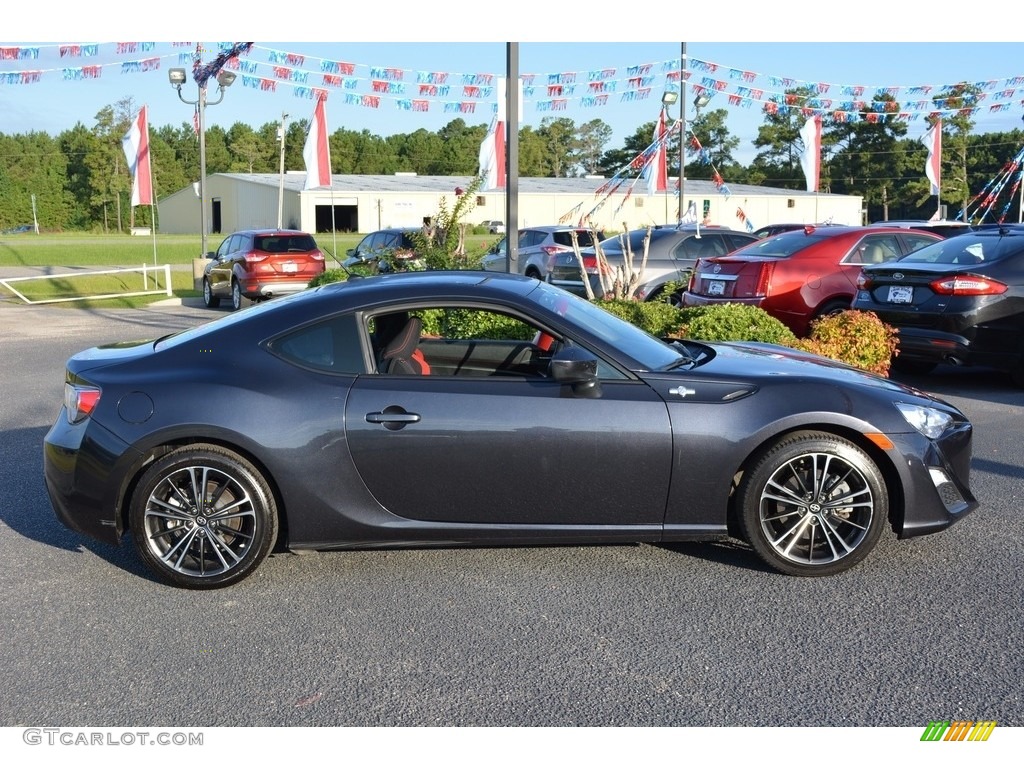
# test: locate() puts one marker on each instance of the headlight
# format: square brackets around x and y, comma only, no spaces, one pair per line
[930,422]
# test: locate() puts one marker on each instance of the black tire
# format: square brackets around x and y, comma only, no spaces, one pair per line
[813,504]
[206,545]
[238,301]
[532,272]
[912,367]
[211,301]
[832,308]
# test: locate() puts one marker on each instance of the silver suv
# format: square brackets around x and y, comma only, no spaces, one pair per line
[539,247]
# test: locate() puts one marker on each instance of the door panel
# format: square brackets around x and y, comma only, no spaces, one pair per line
[511,451]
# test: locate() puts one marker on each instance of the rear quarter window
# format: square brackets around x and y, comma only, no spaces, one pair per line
[331,346]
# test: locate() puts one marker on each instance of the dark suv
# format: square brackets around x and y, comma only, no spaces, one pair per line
[259,264]
[386,250]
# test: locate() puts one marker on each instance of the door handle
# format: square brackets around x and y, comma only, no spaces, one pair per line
[393,417]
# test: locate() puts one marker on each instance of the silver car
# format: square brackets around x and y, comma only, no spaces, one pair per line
[670,256]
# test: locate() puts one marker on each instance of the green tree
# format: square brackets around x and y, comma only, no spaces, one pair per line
[592,137]
[562,144]
[865,154]
[711,130]
[957,105]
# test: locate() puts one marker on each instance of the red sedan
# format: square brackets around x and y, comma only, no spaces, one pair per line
[801,275]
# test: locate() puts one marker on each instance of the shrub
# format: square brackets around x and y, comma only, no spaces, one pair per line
[857,338]
[336,275]
[733,322]
[658,318]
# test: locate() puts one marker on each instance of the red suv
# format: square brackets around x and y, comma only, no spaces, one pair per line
[801,275]
[259,264]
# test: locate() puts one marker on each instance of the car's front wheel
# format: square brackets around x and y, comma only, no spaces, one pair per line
[203,517]
[812,504]
[209,299]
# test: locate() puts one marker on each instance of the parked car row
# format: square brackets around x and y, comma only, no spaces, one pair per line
[954,292]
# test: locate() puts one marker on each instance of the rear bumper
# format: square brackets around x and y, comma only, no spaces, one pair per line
[83,481]
[265,289]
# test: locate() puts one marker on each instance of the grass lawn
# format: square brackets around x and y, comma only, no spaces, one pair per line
[77,250]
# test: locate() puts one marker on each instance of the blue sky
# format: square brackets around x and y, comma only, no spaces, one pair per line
[54,103]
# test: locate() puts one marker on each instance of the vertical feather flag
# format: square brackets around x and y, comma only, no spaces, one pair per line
[656,171]
[492,150]
[136,149]
[317,151]
[933,166]
[810,159]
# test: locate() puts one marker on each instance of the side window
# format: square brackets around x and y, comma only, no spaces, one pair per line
[331,346]
[874,249]
[914,242]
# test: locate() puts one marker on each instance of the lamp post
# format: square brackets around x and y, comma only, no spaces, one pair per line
[177,77]
[668,98]
[280,189]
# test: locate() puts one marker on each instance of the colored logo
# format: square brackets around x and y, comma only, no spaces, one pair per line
[958,730]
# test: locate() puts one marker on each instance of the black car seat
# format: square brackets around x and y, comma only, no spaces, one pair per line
[401,355]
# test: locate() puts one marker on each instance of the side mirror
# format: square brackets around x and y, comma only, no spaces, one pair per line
[578,367]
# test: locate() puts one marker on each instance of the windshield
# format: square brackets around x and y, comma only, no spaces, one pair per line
[970,248]
[780,246]
[652,354]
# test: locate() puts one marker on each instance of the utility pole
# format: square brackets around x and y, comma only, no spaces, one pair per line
[280,189]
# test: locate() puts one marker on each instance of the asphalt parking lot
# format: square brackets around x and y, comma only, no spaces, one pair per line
[694,635]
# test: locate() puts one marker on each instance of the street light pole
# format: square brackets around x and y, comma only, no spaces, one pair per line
[682,131]
[668,98]
[280,189]
[177,77]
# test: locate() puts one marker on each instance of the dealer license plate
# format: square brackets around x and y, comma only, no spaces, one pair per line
[900,294]
[716,288]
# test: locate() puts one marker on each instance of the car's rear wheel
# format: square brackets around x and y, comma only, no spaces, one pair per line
[209,299]
[238,301]
[813,504]
[833,308]
[203,517]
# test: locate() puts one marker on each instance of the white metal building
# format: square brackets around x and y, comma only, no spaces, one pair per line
[367,203]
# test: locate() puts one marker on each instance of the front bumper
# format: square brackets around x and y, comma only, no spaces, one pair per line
[935,480]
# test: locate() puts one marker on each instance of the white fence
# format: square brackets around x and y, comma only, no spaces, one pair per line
[148,274]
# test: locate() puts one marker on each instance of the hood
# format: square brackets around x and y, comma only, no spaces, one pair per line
[754,360]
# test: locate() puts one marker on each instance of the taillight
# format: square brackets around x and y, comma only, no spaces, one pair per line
[764,279]
[692,285]
[864,282]
[80,401]
[255,256]
[316,256]
[967,285]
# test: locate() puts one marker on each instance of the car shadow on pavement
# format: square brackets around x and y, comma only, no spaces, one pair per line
[729,552]
[25,506]
[962,381]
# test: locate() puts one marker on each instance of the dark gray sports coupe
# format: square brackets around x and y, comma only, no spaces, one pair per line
[476,408]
